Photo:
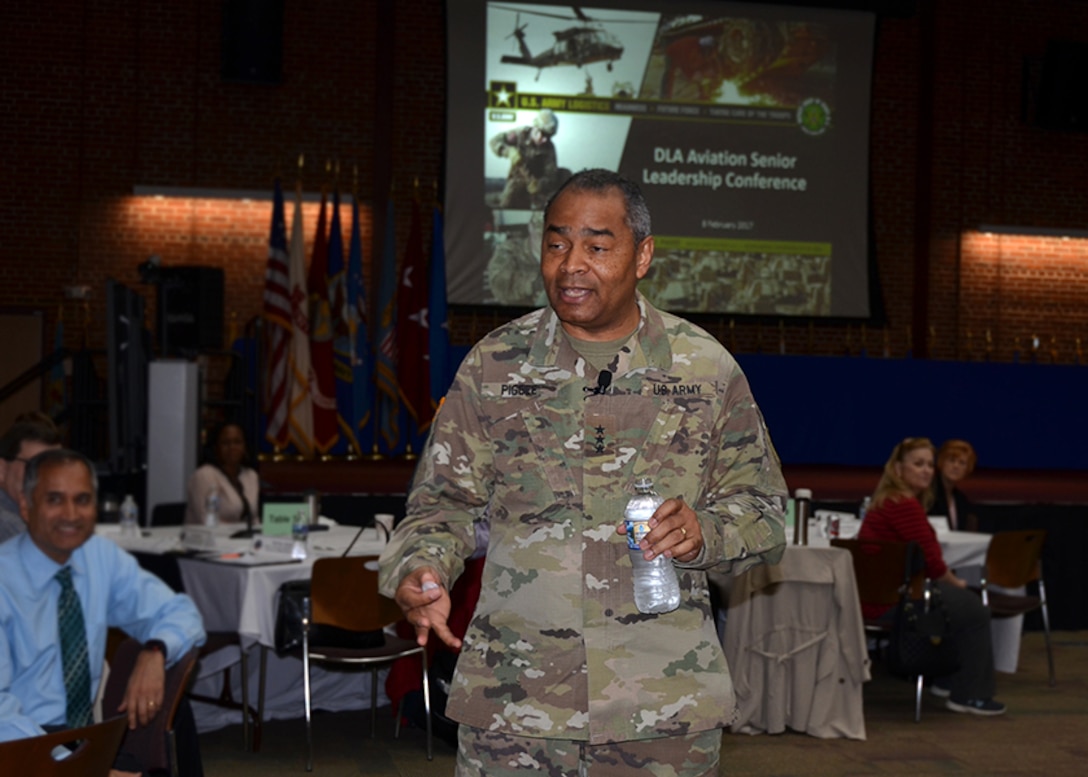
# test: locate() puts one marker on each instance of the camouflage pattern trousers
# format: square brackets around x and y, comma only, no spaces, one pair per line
[481,753]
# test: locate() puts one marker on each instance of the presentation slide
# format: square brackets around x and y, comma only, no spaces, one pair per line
[746,127]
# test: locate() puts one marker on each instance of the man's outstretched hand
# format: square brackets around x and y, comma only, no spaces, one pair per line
[426,605]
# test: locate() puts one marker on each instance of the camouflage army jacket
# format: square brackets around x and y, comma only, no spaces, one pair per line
[556,647]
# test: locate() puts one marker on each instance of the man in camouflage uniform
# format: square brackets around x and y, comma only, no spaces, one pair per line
[534,167]
[559,671]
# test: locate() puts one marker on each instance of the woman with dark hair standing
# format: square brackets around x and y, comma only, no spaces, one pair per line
[897,515]
[226,475]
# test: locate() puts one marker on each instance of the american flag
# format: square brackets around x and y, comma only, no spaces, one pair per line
[277,313]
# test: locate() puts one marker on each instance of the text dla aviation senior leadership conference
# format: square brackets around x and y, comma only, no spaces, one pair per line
[732,179]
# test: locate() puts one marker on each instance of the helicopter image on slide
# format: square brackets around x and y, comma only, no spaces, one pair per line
[579,45]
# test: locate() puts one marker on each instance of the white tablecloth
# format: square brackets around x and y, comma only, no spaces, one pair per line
[796,646]
[235,589]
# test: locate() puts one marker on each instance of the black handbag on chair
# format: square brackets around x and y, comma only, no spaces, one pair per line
[921,642]
[289,613]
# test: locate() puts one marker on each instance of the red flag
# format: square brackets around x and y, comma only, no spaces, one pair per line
[413,338]
[277,313]
[301,414]
[385,351]
[323,390]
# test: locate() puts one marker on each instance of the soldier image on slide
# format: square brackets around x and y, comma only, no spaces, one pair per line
[534,169]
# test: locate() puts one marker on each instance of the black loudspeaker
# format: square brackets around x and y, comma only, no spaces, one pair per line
[190,310]
[253,41]
[1063,87]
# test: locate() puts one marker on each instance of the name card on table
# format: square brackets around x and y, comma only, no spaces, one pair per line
[284,545]
[198,538]
[278,517]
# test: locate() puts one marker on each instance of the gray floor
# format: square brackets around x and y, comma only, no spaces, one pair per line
[1045,732]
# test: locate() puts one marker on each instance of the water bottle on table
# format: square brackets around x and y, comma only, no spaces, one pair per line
[656,588]
[130,517]
[211,508]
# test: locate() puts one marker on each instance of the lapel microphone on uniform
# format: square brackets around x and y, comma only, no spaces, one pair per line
[604,380]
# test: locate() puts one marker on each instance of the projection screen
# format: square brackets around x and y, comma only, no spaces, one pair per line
[746,127]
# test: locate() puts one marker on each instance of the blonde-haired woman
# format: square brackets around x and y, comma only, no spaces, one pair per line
[955,461]
[897,514]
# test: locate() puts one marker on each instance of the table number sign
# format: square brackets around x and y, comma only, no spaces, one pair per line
[278,517]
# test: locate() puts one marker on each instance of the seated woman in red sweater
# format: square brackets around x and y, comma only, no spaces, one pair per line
[897,514]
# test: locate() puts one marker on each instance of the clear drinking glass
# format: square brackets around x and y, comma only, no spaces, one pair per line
[300,533]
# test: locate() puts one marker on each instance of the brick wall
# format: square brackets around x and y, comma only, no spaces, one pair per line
[100,96]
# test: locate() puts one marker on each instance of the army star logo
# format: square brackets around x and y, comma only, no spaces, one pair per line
[501,94]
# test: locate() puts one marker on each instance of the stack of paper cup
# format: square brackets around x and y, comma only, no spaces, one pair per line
[383,522]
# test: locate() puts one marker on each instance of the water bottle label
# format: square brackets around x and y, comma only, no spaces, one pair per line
[636,530]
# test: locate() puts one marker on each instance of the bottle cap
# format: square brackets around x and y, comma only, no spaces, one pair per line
[803,493]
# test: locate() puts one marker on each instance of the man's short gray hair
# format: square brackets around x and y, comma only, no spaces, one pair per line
[53,458]
[601,181]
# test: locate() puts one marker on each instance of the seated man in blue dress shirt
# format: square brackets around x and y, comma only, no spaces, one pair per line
[59,506]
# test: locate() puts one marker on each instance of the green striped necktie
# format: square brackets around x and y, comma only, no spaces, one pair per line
[73,650]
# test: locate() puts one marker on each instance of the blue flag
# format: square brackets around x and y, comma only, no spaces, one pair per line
[439,330]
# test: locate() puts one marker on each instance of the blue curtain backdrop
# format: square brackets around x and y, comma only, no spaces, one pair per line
[852,411]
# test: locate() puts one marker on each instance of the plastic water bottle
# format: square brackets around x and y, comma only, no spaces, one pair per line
[130,517]
[864,508]
[656,588]
[211,508]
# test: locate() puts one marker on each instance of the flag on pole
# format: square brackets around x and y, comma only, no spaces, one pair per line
[412,338]
[277,314]
[362,361]
[300,370]
[385,379]
[341,333]
[323,387]
[439,331]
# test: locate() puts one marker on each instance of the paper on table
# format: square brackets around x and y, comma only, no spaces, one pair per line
[154,541]
[939,523]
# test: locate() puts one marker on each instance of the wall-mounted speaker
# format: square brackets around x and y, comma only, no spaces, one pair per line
[252,42]
[190,310]
[1063,87]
